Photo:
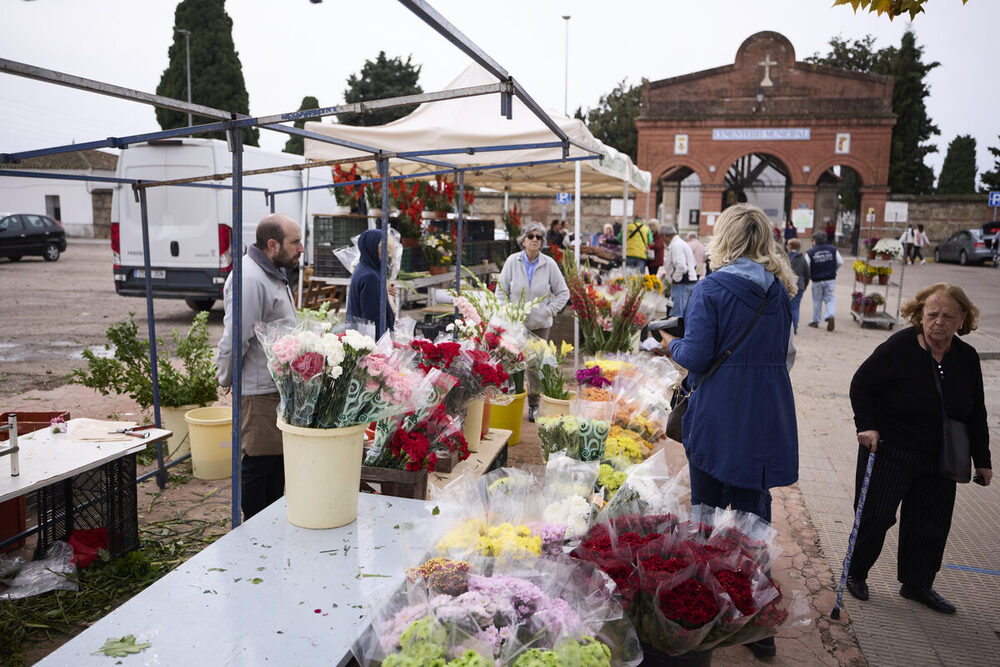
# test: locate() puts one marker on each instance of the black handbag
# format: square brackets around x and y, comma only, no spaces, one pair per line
[955,460]
[680,398]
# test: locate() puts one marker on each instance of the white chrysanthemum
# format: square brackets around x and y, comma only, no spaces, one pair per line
[310,341]
[358,341]
[572,512]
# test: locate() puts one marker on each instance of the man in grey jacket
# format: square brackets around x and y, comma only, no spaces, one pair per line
[266,298]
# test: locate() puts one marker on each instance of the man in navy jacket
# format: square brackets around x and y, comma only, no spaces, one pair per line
[824,260]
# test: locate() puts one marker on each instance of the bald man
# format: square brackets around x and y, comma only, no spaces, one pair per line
[266,298]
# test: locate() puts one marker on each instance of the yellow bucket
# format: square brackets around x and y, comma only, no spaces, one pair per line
[211,442]
[509,417]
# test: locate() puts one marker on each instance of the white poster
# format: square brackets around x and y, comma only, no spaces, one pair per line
[843,144]
[680,144]
[802,218]
[616,207]
[897,211]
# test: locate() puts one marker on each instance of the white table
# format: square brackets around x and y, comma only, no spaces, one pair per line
[209,611]
[46,458]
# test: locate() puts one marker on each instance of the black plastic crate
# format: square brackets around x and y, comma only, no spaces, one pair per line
[473,229]
[328,265]
[413,260]
[101,498]
[337,230]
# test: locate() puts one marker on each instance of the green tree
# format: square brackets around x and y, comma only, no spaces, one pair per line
[908,173]
[296,144]
[891,8]
[379,79]
[991,179]
[958,173]
[216,72]
[613,119]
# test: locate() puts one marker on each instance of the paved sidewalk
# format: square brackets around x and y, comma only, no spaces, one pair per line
[890,629]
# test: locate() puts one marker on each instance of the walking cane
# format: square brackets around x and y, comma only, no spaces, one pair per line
[835,614]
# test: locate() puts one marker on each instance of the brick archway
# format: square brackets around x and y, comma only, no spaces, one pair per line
[810,117]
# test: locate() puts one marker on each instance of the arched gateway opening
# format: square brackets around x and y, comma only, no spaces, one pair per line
[802,141]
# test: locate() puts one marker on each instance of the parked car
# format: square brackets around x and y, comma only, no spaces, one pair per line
[29,234]
[964,246]
[991,236]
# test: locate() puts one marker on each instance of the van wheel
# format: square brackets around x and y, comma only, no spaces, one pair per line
[199,305]
[51,252]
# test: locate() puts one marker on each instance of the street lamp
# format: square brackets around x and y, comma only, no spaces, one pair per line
[566,79]
[187,52]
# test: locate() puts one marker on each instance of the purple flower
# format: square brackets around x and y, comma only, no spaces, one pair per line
[592,376]
[523,595]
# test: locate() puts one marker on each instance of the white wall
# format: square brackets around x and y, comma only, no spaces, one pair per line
[27,195]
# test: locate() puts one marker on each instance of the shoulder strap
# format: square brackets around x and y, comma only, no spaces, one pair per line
[728,353]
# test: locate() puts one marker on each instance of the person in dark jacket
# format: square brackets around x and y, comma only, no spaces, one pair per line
[739,431]
[366,284]
[824,260]
[801,268]
[790,232]
[898,414]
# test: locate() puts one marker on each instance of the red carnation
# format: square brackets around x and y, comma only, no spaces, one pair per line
[308,365]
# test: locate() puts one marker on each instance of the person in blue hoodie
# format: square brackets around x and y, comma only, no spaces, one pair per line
[739,431]
[366,283]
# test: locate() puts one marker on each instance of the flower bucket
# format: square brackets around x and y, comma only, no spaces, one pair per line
[554,407]
[859,277]
[173,420]
[437,270]
[652,656]
[510,417]
[487,411]
[211,431]
[472,425]
[322,474]
[883,280]
[871,254]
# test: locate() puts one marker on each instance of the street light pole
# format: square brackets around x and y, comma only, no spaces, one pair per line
[566,79]
[187,52]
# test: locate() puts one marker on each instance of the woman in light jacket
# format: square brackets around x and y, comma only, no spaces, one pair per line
[530,275]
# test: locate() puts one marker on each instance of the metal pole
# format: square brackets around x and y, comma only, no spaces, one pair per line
[625,223]
[577,206]
[460,177]
[383,296]
[566,77]
[235,335]
[161,472]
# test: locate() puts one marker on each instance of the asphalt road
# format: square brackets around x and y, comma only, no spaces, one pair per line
[49,311]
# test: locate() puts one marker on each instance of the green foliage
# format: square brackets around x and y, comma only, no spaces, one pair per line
[991,179]
[958,173]
[613,119]
[379,79]
[857,56]
[891,8]
[129,371]
[296,144]
[216,72]
[121,647]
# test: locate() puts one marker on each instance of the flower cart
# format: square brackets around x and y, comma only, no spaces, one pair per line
[878,275]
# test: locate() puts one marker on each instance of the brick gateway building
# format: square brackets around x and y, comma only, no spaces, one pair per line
[769,130]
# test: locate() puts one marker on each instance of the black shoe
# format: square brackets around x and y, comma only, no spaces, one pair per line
[830,323]
[532,411]
[763,648]
[814,325]
[927,597]
[858,588]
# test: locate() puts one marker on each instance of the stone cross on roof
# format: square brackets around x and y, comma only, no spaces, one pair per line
[767,63]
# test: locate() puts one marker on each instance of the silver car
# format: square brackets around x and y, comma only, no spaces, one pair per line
[965,246]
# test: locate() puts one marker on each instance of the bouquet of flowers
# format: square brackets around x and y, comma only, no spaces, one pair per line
[435,355]
[479,375]
[551,379]
[347,195]
[890,247]
[411,207]
[594,386]
[512,223]
[608,322]
[581,438]
[438,247]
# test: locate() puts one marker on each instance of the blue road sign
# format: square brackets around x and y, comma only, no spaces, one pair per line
[995,198]
[565,198]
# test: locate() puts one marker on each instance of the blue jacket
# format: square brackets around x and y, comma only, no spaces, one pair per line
[740,424]
[366,283]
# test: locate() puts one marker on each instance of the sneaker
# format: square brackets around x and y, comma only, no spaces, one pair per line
[532,411]
[923,261]
[814,325]
[829,324]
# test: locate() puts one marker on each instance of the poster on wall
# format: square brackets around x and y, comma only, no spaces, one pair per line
[897,211]
[680,144]
[802,218]
[843,145]
[616,208]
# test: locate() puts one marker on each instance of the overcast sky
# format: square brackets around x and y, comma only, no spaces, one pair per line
[295,48]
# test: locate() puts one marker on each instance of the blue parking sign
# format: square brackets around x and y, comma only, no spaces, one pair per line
[565,198]
[995,198]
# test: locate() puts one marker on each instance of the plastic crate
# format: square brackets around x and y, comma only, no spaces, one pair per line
[473,229]
[413,260]
[101,498]
[328,265]
[337,230]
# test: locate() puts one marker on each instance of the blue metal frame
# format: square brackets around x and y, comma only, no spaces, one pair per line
[236,143]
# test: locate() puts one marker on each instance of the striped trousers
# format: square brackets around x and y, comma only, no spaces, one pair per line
[907,478]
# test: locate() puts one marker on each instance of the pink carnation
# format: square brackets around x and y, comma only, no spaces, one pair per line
[285,349]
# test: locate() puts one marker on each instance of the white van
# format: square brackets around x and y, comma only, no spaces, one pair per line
[190,228]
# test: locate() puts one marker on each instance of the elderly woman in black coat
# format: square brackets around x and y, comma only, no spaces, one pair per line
[898,405]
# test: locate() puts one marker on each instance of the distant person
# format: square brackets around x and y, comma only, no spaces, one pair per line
[824,260]
[364,291]
[266,297]
[678,269]
[899,396]
[637,240]
[554,237]
[790,233]
[617,227]
[831,232]
[608,239]
[919,241]
[531,275]
[800,266]
[907,239]
[654,256]
[700,256]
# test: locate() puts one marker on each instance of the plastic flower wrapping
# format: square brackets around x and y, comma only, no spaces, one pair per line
[474,612]
[351,254]
[334,380]
[547,367]
[580,438]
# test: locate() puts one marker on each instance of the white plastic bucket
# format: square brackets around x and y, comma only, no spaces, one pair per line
[173,420]
[211,434]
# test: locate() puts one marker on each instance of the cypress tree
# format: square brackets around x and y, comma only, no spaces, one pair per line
[379,79]
[296,144]
[216,73]
[958,173]
[991,179]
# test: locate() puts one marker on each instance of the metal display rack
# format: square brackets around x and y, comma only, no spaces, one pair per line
[891,289]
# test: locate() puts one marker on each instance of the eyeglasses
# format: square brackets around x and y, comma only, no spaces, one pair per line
[538,237]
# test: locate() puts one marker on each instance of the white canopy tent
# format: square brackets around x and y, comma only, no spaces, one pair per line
[476,122]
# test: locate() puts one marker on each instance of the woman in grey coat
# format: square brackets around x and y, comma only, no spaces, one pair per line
[530,275]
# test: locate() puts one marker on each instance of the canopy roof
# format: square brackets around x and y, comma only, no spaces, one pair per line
[477,122]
